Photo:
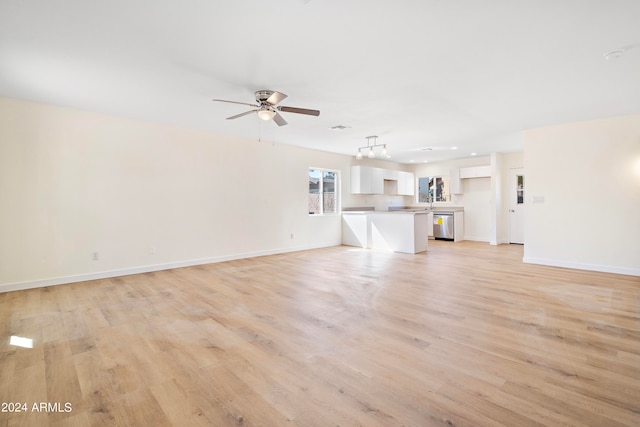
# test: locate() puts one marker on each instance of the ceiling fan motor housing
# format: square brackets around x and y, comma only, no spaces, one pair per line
[263,95]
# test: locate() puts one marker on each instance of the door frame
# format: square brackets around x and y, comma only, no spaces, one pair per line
[513,174]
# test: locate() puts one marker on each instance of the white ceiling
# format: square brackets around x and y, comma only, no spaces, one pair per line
[423,73]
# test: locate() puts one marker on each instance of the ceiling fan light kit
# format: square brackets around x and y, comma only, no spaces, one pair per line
[265,113]
[268,109]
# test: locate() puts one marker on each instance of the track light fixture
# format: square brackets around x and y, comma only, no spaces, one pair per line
[370,146]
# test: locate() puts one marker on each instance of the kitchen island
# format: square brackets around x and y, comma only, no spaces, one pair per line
[394,231]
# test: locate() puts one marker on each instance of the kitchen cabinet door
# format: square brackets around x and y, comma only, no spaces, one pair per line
[458,226]
[475,172]
[469,172]
[455,182]
[366,180]
[376,180]
[390,174]
[483,172]
[406,183]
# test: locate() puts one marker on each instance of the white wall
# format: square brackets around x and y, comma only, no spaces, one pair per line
[73,183]
[582,195]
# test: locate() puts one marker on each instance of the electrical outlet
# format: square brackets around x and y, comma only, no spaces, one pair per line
[95,256]
[153,250]
[291,236]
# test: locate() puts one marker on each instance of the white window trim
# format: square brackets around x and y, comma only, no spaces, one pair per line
[337,186]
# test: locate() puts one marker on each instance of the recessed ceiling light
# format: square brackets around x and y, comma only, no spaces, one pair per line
[426,149]
[411,161]
[454,148]
[474,154]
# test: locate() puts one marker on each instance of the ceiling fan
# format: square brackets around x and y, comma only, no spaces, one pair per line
[268,109]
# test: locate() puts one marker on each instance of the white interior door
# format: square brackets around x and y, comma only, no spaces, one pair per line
[516,205]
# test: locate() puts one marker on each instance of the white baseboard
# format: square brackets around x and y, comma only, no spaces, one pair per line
[583,266]
[477,238]
[19,286]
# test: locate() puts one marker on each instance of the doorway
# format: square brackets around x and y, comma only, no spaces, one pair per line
[516,205]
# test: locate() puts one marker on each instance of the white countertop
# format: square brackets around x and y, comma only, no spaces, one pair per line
[384,212]
[411,210]
[448,209]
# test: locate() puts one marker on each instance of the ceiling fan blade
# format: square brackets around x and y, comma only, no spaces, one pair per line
[275,98]
[235,102]
[241,114]
[280,121]
[300,111]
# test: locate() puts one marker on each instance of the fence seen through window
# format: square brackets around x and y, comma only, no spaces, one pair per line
[323,191]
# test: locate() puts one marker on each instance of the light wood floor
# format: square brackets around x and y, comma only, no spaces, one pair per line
[464,335]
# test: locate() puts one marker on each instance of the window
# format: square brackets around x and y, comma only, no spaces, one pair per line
[433,189]
[520,190]
[323,191]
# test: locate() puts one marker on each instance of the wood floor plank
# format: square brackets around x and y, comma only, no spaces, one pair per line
[462,335]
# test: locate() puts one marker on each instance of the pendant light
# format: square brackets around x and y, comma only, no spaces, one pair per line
[370,148]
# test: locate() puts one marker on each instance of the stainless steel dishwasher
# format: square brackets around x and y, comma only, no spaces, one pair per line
[443,225]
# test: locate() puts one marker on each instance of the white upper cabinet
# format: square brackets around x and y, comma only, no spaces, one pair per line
[457,175]
[483,171]
[406,183]
[367,180]
[377,181]
[475,172]
[467,172]
[390,174]
[454,181]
